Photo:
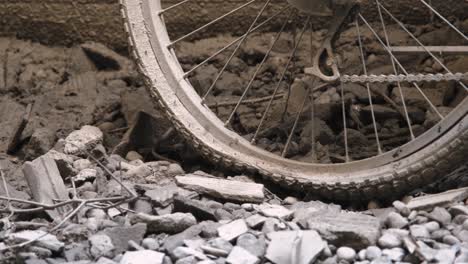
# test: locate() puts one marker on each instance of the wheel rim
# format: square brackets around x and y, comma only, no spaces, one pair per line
[193,102]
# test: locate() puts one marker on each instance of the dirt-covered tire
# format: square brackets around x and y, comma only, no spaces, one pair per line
[428,158]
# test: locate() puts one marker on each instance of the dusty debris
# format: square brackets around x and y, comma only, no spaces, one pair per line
[224,189]
[46,184]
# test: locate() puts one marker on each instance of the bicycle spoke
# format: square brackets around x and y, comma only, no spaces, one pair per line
[419,42]
[444,19]
[400,90]
[278,84]
[259,67]
[211,23]
[186,74]
[364,67]
[172,7]
[312,100]
[401,66]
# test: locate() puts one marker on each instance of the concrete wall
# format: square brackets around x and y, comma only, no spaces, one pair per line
[64,22]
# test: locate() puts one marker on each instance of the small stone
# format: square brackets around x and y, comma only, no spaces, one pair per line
[82,164]
[373,252]
[177,240]
[450,240]
[101,246]
[255,220]
[221,244]
[86,175]
[290,200]
[187,260]
[445,255]
[462,235]
[389,240]
[458,210]
[272,225]
[210,229]
[161,196]
[232,230]
[239,255]
[221,214]
[170,223]
[432,226]
[395,220]
[142,257]
[402,208]
[231,207]
[276,211]
[440,215]
[183,252]
[252,244]
[83,140]
[174,169]
[346,253]
[419,231]
[150,243]
[133,155]
[394,254]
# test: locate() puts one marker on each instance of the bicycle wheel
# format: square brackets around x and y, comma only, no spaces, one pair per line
[329,124]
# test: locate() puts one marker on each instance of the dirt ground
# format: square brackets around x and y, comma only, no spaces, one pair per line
[65,22]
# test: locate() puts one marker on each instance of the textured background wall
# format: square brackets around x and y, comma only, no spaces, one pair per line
[64,22]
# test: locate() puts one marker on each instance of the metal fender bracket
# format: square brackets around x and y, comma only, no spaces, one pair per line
[324,65]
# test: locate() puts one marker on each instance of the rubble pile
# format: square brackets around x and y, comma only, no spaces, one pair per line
[90,206]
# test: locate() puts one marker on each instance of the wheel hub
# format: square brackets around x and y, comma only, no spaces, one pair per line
[313,7]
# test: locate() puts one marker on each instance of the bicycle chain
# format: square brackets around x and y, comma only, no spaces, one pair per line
[392,78]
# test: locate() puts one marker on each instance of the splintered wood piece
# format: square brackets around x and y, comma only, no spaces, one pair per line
[46,184]
[224,189]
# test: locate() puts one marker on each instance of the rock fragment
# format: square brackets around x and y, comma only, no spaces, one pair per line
[121,235]
[239,255]
[346,228]
[274,210]
[142,257]
[224,189]
[199,209]
[306,245]
[170,223]
[101,246]
[233,229]
[83,140]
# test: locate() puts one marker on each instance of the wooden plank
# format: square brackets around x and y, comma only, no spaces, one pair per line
[46,184]
[224,189]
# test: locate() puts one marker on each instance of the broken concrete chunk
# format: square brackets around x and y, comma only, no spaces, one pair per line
[239,255]
[427,202]
[347,229]
[46,183]
[224,189]
[304,210]
[44,239]
[83,140]
[63,161]
[274,210]
[233,229]
[199,209]
[170,223]
[101,246]
[299,247]
[142,257]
